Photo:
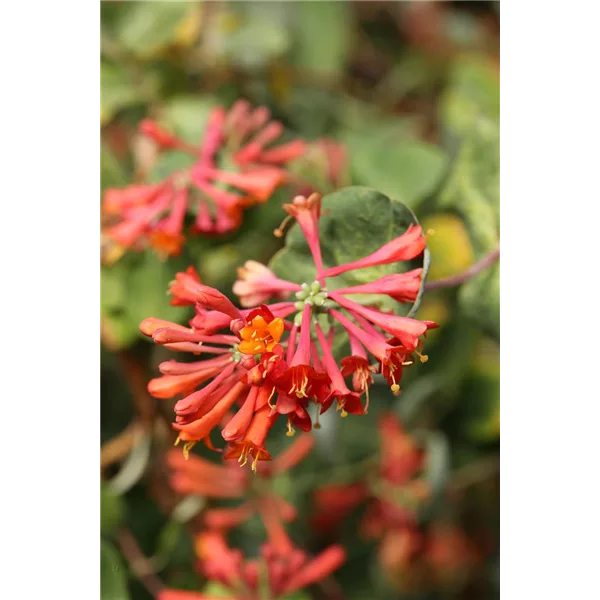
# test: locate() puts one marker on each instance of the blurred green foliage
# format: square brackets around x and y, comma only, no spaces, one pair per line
[412,91]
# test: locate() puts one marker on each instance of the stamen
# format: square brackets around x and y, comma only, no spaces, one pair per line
[271,406]
[395,389]
[290,432]
[343,414]
[280,230]
[317,424]
[255,461]
[422,357]
[243,459]
[187,447]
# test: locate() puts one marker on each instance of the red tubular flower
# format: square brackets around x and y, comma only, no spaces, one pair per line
[358,365]
[163,138]
[201,427]
[167,235]
[284,153]
[288,568]
[223,519]
[307,212]
[139,218]
[405,329]
[119,200]
[333,503]
[401,457]
[402,287]
[317,569]
[256,284]
[258,184]
[199,476]
[406,247]
[301,379]
[253,442]
[390,357]
[347,401]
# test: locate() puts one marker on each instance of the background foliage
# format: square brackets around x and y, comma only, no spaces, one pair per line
[412,91]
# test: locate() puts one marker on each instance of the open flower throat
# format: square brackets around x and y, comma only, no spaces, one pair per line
[276,359]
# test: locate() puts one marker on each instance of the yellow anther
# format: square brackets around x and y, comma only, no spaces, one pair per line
[395,389]
[431,231]
[343,414]
[186,449]
[255,463]
[290,432]
[281,229]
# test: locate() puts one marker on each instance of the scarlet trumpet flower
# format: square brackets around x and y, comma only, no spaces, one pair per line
[269,366]
[154,214]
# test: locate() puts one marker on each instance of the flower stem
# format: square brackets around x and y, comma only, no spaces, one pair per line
[138,563]
[485,262]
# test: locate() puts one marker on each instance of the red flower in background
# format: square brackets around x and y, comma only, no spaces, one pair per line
[285,568]
[154,214]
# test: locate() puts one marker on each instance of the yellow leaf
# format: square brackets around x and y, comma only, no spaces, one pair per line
[449,244]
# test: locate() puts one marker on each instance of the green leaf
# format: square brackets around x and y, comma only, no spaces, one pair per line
[216,590]
[479,299]
[322,36]
[117,91]
[357,221]
[187,116]
[479,415]
[168,541]
[473,91]
[147,289]
[408,171]
[132,290]
[118,330]
[113,580]
[112,174]
[299,595]
[168,163]
[146,28]
[249,34]
[111,509]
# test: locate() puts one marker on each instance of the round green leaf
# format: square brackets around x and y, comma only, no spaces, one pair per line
[117,91]
[356,221]
[322,34]
[408,170]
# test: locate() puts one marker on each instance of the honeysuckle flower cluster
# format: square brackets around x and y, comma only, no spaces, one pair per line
[281,569]
[245,139]
[277,360]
